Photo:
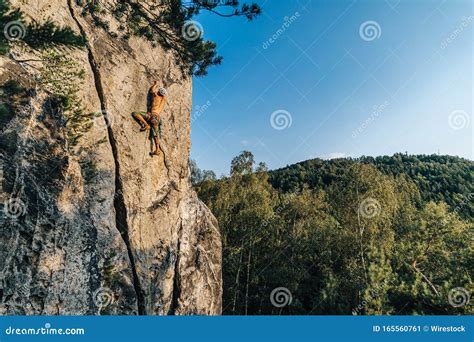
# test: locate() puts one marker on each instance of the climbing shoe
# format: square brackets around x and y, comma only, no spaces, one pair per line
[154,153]
[144,128]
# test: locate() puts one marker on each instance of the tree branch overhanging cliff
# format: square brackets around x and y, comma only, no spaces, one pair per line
[35,35]
[169,23]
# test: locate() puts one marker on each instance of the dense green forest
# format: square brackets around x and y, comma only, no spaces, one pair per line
[438,178]
[386,235]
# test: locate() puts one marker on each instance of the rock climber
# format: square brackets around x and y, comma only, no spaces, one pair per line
[150,120]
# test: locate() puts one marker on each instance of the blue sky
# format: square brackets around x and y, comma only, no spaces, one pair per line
[341,78]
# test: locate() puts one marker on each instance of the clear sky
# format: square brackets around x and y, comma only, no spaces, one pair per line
[340,78]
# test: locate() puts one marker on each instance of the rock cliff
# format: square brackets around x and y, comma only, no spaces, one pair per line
[91,224]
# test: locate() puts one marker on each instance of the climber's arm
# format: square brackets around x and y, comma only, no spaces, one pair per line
[154,88]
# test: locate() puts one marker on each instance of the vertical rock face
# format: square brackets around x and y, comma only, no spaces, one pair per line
[101,227]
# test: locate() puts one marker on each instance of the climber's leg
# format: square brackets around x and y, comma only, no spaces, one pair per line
[141,118]
[154,133]
[157,147]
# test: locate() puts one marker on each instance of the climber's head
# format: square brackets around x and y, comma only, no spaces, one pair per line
[162,91]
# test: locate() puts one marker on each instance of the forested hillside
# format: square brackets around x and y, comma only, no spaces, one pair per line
[386,235]
[438,178]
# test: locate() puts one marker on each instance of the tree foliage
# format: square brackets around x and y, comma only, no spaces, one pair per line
[198,175]
[194,7]
[354,238]
[438,178]
[169,23]
[38,36]
[62,77]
